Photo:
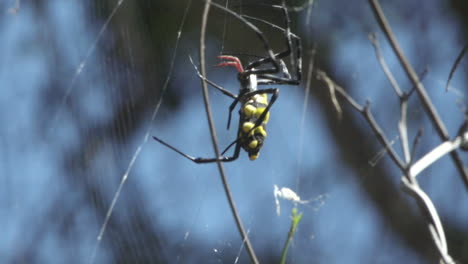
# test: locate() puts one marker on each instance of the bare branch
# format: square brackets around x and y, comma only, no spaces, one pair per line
[409,178]
[403,129]
[463,133]
[410,171]
[426,102]
[383,64]
[381,136]
[365,111]
[434,155]
[322,76]
[435,225]
[416,140]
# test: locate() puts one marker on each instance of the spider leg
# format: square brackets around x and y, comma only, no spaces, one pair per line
[274,79]
[226,92]
[261,36]
[298,66]
[289,36]
[200,159]
[230,145]
[231,108]
[219,87]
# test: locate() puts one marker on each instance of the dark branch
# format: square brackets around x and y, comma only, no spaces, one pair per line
[383,64]
[426,101]
[365,111]
[455,65]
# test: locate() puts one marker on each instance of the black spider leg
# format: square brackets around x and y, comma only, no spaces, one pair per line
[263,60]
[217,86]
[273,79]
[242,94]
[271,56]
[234,103]
[206,160]
[274,95]
[231,108]
[287,52]
[235,142]
[298,63]
[288,80]
[223,90]
[265,74]
[222,158]
[297,43]
[202,160]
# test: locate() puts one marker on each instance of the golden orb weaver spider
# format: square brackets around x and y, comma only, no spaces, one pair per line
[254,106]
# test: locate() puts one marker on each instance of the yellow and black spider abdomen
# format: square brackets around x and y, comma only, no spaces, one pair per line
[254,101]
[251,139]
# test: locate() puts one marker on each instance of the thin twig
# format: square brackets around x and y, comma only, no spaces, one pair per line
[383,64]
[416,141]
[455,65]
[381,136]
[253,257]
[409,178]
[411,170]
[463,133]
[365,111]
[402,125]
[402,128]
[425,203]
[322,76]
[426,101]
[402,96]
[434,155]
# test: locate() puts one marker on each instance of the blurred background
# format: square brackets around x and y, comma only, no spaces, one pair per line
[84,83]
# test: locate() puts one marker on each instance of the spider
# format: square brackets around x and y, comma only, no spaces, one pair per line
[254,106]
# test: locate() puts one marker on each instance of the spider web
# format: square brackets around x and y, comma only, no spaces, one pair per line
[87,83]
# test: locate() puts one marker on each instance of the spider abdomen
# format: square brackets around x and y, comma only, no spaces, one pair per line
[251,137]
